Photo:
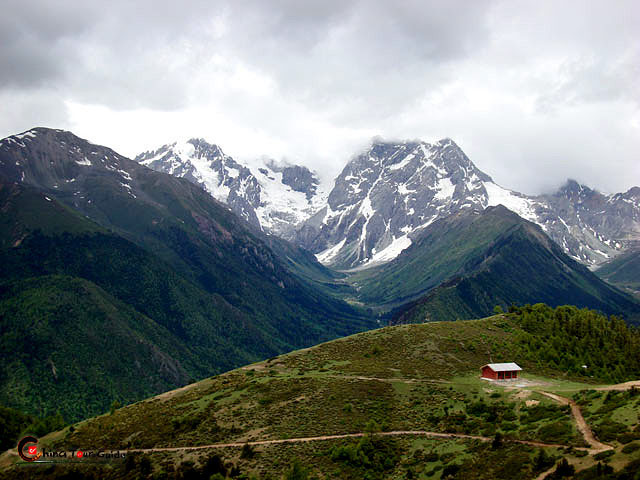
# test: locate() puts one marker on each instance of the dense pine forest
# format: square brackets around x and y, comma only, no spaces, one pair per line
[579,341]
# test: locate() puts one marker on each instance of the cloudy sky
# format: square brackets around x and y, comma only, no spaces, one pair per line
[534,92]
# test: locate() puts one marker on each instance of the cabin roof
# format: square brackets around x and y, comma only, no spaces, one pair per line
[503,367]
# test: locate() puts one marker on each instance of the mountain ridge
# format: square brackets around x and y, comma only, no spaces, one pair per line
[387,194]
[273,198]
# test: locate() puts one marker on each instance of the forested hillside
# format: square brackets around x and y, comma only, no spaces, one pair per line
[579,342]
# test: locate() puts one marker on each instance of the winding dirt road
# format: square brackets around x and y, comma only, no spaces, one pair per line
[595,445]
[584,428]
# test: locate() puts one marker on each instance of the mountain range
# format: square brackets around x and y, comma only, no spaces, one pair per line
[423,199]
[115,270]
[387,194]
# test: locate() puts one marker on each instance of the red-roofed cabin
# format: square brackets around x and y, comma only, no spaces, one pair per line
[500,371]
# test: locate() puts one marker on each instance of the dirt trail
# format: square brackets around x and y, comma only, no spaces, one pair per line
[389,380]
[8,454]
[580,421]
[620,386]
[346,435]
[546,473]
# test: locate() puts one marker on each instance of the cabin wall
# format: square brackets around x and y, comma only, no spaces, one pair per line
[506,375]
[488,373]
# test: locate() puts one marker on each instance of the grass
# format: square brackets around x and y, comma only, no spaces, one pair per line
[411,377]
[430,456]
[612,415]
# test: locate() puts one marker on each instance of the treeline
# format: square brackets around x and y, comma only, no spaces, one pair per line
[579,341]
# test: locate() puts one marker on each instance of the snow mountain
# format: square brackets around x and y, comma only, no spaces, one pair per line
[274,197]
[385,196]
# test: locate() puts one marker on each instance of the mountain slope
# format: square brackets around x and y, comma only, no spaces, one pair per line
[446,248]
[23,210]
[404,378]
[494,258]
[162,246]
[48,275]
[385,196]
[273,198]
[75,349]
[623,271]
[512,259]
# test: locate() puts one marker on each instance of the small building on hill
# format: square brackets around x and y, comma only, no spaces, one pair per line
[500,371]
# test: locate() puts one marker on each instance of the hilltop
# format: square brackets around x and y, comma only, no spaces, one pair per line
[413,388]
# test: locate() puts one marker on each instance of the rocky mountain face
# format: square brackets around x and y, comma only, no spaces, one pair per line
[387,195]
[592,227]
[274,198]
[80,173]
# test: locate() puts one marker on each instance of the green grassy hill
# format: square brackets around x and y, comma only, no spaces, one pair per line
[401,378]
[447,247]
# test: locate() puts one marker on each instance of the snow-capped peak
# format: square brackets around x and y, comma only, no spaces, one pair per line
[274,197]
[385,196]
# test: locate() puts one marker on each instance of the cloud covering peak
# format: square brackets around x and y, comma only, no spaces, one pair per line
[533,92]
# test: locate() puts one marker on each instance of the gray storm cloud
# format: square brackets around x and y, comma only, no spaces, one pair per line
[533,92]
